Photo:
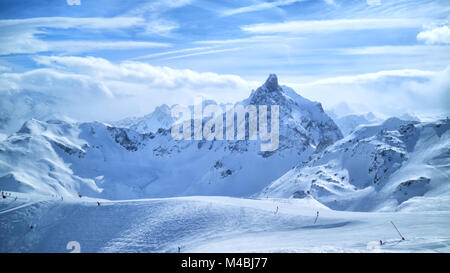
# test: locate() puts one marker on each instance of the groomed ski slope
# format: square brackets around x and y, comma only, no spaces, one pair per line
[213,224]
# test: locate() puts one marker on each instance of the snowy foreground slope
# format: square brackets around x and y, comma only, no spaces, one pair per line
[395,165]
[215,224]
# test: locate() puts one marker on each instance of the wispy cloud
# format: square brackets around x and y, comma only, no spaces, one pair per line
[152,12]
[156,7]
[160,27]
[87,46]
[172,52]
[20,35]
[396,50]
[73,2]
[369,77]
[260,6]
[73,22]
[4,68]
[324,26]
[373,2]
[252,39]
[207,52]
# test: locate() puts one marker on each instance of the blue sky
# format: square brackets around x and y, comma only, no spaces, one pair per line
[370,54]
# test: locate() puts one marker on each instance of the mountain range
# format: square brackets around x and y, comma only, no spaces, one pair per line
[133,159]
[377,166]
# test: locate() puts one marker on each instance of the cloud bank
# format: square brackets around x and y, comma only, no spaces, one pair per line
[89,88]
[438,35]
[425,94]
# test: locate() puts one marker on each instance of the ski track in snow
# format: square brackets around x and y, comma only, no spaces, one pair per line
[215,224]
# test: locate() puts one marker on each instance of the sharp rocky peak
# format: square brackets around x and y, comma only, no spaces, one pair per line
[271,83]
[268,93]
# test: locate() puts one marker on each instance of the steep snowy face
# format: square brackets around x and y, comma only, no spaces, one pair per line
[303,123]
[160,118]
[137,160]
[395,165]
[30,162]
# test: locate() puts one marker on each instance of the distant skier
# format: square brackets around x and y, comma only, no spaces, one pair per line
[98,204]
[79,195]
[381,242]
[276,211]
[3,195]
[179,249]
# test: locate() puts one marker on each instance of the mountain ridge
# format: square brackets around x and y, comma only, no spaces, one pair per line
[102,160]
[377,167]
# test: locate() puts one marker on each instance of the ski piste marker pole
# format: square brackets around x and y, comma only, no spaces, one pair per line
[403,238]
[317,216]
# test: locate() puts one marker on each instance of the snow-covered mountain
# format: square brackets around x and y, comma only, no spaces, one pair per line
[348,120]
[303,123]
[349,123]
[31,162]
[377,167]
[395,165]
[97,159]
[160,118]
